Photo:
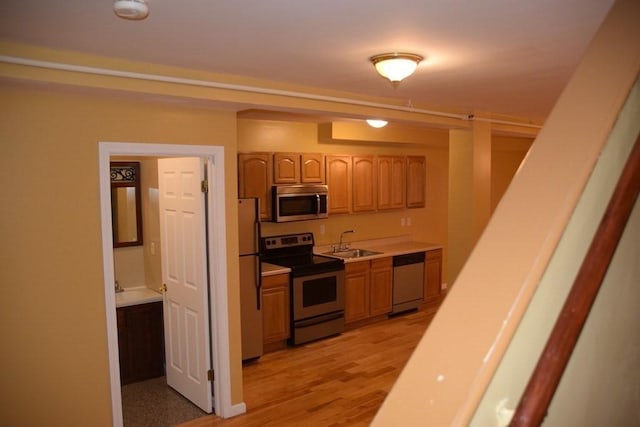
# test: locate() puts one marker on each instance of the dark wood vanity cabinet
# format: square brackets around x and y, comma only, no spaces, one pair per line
[140,342]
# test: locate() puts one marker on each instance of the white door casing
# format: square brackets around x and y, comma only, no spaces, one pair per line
[217,259]
[184,273]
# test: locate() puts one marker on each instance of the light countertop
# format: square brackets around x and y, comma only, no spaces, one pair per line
[393,246]
[386,247]
[272,269]
[135,296]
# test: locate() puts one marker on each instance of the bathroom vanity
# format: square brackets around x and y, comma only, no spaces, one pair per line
[140,342]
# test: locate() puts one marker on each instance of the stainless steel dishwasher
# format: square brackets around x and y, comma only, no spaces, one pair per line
[408,281]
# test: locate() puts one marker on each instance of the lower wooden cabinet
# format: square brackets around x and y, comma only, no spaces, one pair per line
[368,289]
[381,286]
[433,275]
[356,291]
[275,308]
[140,342]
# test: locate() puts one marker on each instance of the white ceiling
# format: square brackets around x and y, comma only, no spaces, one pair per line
[508,57]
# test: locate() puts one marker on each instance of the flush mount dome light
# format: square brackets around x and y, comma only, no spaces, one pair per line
[131,9]
[376,123]
[396,66]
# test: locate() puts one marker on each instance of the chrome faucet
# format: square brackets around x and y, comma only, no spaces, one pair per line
[344,246]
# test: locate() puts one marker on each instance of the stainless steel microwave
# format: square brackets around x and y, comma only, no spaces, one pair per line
[299,202]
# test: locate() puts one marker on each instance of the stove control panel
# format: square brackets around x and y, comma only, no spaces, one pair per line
[287,241]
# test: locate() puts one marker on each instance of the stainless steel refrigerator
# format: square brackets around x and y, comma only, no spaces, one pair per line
[250,291]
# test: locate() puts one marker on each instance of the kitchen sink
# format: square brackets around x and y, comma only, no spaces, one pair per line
[352,253]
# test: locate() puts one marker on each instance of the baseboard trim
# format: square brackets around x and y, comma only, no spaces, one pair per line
[237,409]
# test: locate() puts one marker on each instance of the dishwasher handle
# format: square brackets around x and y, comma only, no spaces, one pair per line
[407,259]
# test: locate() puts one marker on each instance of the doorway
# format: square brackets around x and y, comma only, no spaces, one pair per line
[216,233]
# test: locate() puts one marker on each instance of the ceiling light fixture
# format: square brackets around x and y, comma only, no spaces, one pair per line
[376,123]
[131,9]
[396,66]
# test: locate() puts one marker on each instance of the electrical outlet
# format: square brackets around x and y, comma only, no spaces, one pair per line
[402,222]
[408,221]
[322,229]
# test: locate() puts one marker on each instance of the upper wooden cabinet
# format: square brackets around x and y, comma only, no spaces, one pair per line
[364,183]
[432,275]
[416,181]
[286,168]
[296,168]
[312,168]
[255,172]
[358,183]
[339,182]
[391,182]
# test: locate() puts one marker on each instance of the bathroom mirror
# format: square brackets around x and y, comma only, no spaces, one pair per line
[126,215]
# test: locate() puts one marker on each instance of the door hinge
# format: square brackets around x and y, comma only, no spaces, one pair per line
[204,186]
[210,375]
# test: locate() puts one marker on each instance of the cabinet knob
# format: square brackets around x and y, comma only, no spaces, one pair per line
[163,288]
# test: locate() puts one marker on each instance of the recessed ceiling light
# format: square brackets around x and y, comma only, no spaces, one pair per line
[131,9]
[376,123]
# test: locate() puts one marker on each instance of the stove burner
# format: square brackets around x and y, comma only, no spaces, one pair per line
[296,252]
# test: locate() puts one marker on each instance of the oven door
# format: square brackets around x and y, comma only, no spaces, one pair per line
[318,294]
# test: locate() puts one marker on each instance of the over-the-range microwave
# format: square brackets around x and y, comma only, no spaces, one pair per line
[299,202]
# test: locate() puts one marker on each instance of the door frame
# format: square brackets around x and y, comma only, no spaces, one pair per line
[217,258]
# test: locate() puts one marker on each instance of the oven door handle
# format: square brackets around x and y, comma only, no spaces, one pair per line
[320,319]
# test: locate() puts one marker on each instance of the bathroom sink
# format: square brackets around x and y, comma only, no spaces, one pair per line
[352,253]
[135,296]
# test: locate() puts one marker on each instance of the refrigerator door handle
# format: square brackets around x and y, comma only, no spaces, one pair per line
[257,236]
[258,283]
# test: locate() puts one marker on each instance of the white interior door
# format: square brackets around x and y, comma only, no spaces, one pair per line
[184,272]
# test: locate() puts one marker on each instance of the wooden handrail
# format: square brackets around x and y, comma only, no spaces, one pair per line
[535,401]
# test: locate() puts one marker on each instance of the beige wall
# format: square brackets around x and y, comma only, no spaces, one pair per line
[507,153]
[151,223]
[54,342]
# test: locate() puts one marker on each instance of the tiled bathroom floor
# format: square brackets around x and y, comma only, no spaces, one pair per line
[153,403]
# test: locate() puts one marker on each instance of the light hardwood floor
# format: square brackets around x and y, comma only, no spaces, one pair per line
[339,381]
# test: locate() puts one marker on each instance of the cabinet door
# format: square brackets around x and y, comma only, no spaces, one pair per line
[126,375]
[275,308]
[339,182]
[144,336]
[356,286]
[312,168]
[254,179]
[286,168]
[416,181]
[432,275]
[391,182]
[381,286]
[364,183]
